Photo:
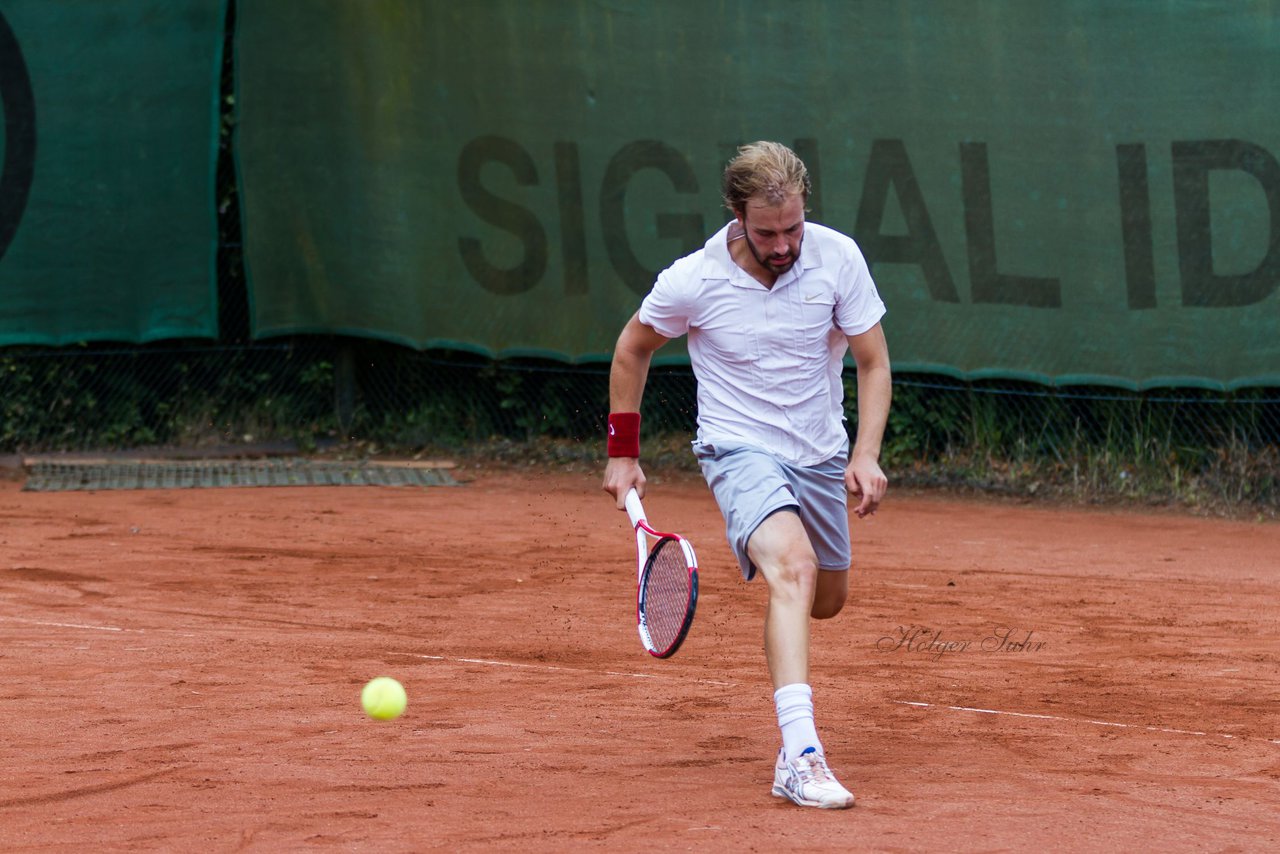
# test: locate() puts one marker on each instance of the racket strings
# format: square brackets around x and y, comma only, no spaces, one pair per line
[666,593]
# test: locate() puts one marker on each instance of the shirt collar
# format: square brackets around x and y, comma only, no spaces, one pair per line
[719,264]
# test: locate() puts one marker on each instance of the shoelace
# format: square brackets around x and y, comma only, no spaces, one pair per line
[815,769]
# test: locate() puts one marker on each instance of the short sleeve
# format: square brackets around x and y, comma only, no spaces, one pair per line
[860,306]
[666,308]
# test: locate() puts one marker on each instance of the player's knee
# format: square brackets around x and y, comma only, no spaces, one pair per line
[828,603]
[795,577]
[832,591]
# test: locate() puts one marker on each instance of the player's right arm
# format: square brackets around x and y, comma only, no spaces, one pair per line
[627,376]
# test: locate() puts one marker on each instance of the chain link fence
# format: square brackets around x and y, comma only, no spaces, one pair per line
[1213,451]
[1210,450]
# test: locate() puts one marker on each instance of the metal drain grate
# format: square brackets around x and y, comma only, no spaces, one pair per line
[46,476]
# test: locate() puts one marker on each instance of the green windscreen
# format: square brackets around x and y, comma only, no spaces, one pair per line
[1067,192]
[107,228]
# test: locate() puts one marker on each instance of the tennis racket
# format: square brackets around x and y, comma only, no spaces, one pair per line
[667,592]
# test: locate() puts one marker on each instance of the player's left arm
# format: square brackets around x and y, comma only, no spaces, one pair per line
[863,477]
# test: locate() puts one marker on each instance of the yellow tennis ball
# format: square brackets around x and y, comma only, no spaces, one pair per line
[383,698]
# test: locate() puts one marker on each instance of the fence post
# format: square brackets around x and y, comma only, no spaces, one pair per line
[344,386]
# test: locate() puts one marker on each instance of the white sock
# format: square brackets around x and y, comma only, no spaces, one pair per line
[794,704]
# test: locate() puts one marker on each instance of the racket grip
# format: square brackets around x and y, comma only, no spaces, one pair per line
[634,508]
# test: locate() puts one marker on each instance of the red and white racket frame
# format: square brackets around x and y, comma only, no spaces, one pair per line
[641,525]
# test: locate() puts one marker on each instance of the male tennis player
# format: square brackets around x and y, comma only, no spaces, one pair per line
[770,305]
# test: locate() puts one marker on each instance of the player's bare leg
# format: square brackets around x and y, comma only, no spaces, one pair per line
[780,549]
[830,594]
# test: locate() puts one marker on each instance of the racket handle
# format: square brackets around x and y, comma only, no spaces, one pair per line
[634,509]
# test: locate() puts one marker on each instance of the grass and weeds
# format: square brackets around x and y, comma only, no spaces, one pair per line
[1200,451]
[1208,452]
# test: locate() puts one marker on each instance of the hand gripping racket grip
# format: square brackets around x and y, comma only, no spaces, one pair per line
[634,509]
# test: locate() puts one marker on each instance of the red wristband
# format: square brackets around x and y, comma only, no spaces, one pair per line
[624,434]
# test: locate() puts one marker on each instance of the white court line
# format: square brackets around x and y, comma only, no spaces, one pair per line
[1146,727]
[70,625]
[520,664]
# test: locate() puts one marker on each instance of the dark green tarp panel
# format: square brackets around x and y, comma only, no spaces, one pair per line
[107,215]
[1058,191]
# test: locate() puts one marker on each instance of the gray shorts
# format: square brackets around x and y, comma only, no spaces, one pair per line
[750,484]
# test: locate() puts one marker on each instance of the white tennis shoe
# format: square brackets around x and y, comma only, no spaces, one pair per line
[807,781]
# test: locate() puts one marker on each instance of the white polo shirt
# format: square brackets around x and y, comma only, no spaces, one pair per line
[768,361]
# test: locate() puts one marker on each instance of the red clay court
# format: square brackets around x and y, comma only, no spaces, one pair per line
[182,670]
